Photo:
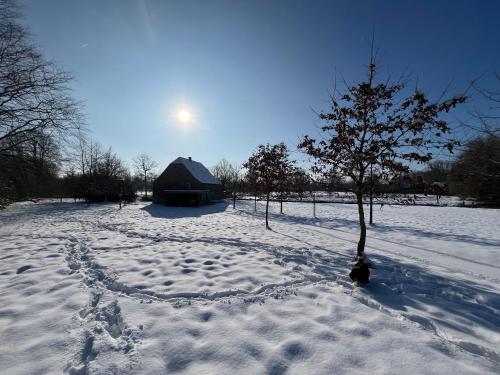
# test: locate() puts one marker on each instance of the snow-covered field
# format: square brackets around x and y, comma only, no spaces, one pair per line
[151,289]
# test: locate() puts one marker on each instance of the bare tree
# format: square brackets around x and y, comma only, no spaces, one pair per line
[144,166]
[224,171]
[37,113]
[230,176]
[97,174]
[476,171]
[34,93]
[251,184]
[372,125]
[487,121]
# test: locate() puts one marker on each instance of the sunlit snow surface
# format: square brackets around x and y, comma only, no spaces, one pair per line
[151,289]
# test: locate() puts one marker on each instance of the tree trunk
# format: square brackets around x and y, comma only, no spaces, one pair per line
[255,204]
[145,185]
[314,205]
[362,227]
[234,200]
[371,206]
[267,210]
[281,204]
[371,194]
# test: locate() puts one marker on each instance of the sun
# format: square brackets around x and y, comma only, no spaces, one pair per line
[184,116]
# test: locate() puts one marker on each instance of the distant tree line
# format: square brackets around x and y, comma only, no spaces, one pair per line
[97,175]
[37,113]
[474,174]
[44,147]
[476,170]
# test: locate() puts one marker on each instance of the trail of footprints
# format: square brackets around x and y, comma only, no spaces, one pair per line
[100,324]
[103,330]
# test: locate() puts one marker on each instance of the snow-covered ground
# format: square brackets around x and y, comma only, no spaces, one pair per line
[151,289]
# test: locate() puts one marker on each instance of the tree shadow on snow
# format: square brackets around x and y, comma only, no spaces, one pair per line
[382,228]
[436,302]
[441,304]
[20,211]
[454,307]
[378,228]
[172,212]
[457,310]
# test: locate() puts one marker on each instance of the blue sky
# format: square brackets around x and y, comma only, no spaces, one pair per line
[250,72]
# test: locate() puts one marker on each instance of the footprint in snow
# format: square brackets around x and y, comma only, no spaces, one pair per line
[23,269]
[276,368]
[295,350]
[206,316]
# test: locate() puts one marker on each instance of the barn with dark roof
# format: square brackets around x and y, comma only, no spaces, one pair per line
[186,182]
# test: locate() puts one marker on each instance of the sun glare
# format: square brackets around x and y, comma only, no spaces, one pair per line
[184,116]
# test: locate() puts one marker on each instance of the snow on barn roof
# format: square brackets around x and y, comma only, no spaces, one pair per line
[198,170]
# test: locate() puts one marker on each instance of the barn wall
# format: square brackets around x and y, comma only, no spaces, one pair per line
[177,177]
[174,177]
[216,191]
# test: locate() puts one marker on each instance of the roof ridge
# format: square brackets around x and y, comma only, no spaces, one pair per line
[197,170]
